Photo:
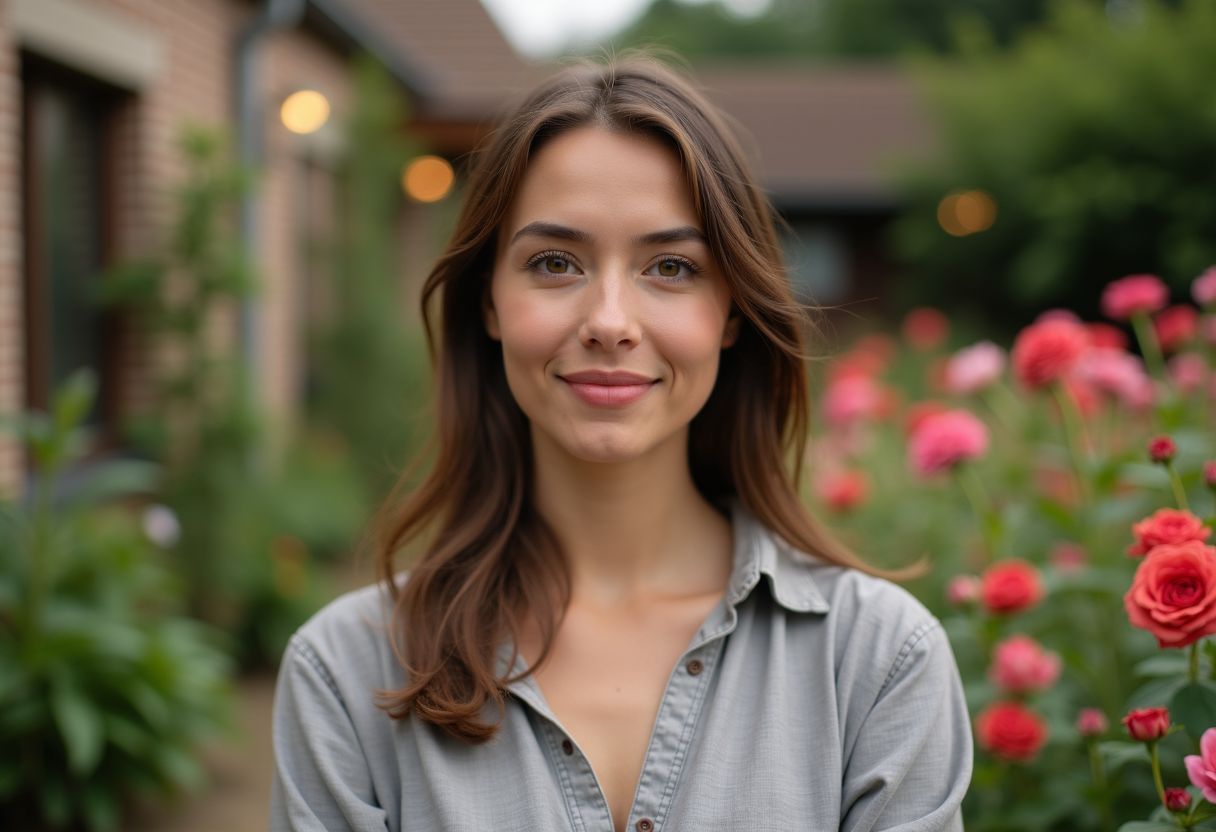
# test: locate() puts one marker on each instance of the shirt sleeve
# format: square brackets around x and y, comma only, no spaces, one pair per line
[911,764]
[322,780]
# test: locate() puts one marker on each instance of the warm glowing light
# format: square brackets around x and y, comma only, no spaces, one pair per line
[428,178]
[304,111]
[966,212]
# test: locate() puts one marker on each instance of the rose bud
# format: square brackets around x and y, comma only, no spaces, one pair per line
[1147,724]
[1177,800]
[1091,722]
[1209,474]
[963,590]
[1161,449]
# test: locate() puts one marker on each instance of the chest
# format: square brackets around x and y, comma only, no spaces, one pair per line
[605,680]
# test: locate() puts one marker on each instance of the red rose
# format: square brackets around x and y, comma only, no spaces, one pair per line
[1126,296]
[1167,525]
[1147,724]
[1045,351]
[1010,731]
[925,327]
[843,490]
[1011,586]
[1161,449]
[1173,594]
[1106,336]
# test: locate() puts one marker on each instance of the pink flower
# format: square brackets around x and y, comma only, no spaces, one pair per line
[1091,722]
[852,399]
[1161,449]
[1203,289]
[1117,373]
[1147,724]
[1106,335]
[1176,326]
[1068,558]
[1201,767]
[1209,474]
[1058,314]
[943,440]
[1021,665]
[925,327]
[842,490]
[1167,525]
[1010,731]
[963,590]
[1187,371]
[1043,352]
[1173,593]
[1177,800]
[1133,294]
[972,369]
[1207,329]
[1010,586]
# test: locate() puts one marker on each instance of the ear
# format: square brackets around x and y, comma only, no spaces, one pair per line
[731,333]
[490,315]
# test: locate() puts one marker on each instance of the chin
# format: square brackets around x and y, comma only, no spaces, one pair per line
[605,447]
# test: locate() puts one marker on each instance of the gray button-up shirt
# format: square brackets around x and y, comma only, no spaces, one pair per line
[818,698]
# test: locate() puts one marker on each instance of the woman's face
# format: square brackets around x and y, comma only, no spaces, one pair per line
[609,308]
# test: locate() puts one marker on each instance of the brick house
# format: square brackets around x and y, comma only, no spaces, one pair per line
[92,93]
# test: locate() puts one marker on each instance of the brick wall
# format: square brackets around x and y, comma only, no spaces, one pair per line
[194,84]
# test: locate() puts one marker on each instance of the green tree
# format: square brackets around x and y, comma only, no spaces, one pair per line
[1095,142]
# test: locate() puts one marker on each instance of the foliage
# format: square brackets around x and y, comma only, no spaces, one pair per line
[105,687]
[1094,141]
[244,570]
[371,371]
[1064,476]
[800,29]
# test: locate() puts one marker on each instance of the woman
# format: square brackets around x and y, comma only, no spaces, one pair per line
[622,616]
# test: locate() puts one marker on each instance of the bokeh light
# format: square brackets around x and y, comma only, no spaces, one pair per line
[304,111]
[966,212]
[428,178]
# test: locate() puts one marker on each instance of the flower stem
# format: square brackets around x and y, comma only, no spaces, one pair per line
[1099,775]
[1148,344]
[1072,434]
[1156,763]
[1176,484]
[973,488]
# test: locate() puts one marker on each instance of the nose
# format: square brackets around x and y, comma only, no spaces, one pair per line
[609,318]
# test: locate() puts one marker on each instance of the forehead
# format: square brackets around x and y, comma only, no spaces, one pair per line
[593,177]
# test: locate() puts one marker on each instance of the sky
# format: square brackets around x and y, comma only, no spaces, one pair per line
[542,28]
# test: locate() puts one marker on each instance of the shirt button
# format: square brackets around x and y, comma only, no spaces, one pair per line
[644,825]
[567,747]
[694,667]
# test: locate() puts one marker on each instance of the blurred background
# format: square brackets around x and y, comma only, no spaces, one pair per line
[215,216]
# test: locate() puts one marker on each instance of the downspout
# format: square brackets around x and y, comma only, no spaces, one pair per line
[275,14]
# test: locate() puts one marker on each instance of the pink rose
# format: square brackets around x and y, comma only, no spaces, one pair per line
[1147,724]
[1177,800]
[1173,593]
[963,590]
[851,399]
[1091,722]
[1187,371]
[943,440]
[1203,289]
[842,490]
[1010,586]
[972,369]
[1162,449]
[1106,335]
[1167,525]
[1201,768]
[1135,293]
[1021,665]
[1067,558]
[1043,352]
[1117,373]
[1176,326]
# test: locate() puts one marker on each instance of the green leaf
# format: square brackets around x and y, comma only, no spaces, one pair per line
[1163,664]
[1148,826]
[73,399]
[80,725]
[1117,753]
[1194,705]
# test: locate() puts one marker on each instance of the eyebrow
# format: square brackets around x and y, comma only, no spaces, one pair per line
[564,232]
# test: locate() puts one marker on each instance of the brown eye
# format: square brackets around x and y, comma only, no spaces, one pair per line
[670,268]
[557,265]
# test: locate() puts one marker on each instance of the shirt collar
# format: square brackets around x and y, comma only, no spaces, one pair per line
[758,551]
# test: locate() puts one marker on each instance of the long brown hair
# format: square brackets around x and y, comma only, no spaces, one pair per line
[487,553]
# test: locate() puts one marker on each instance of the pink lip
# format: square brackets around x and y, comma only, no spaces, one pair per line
[608,389]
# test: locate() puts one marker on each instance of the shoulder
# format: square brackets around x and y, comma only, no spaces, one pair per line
[349,636]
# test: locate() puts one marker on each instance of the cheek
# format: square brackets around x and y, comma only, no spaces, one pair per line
[530,331]
[691,337]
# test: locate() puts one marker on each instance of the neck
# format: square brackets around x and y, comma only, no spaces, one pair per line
[634,530]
